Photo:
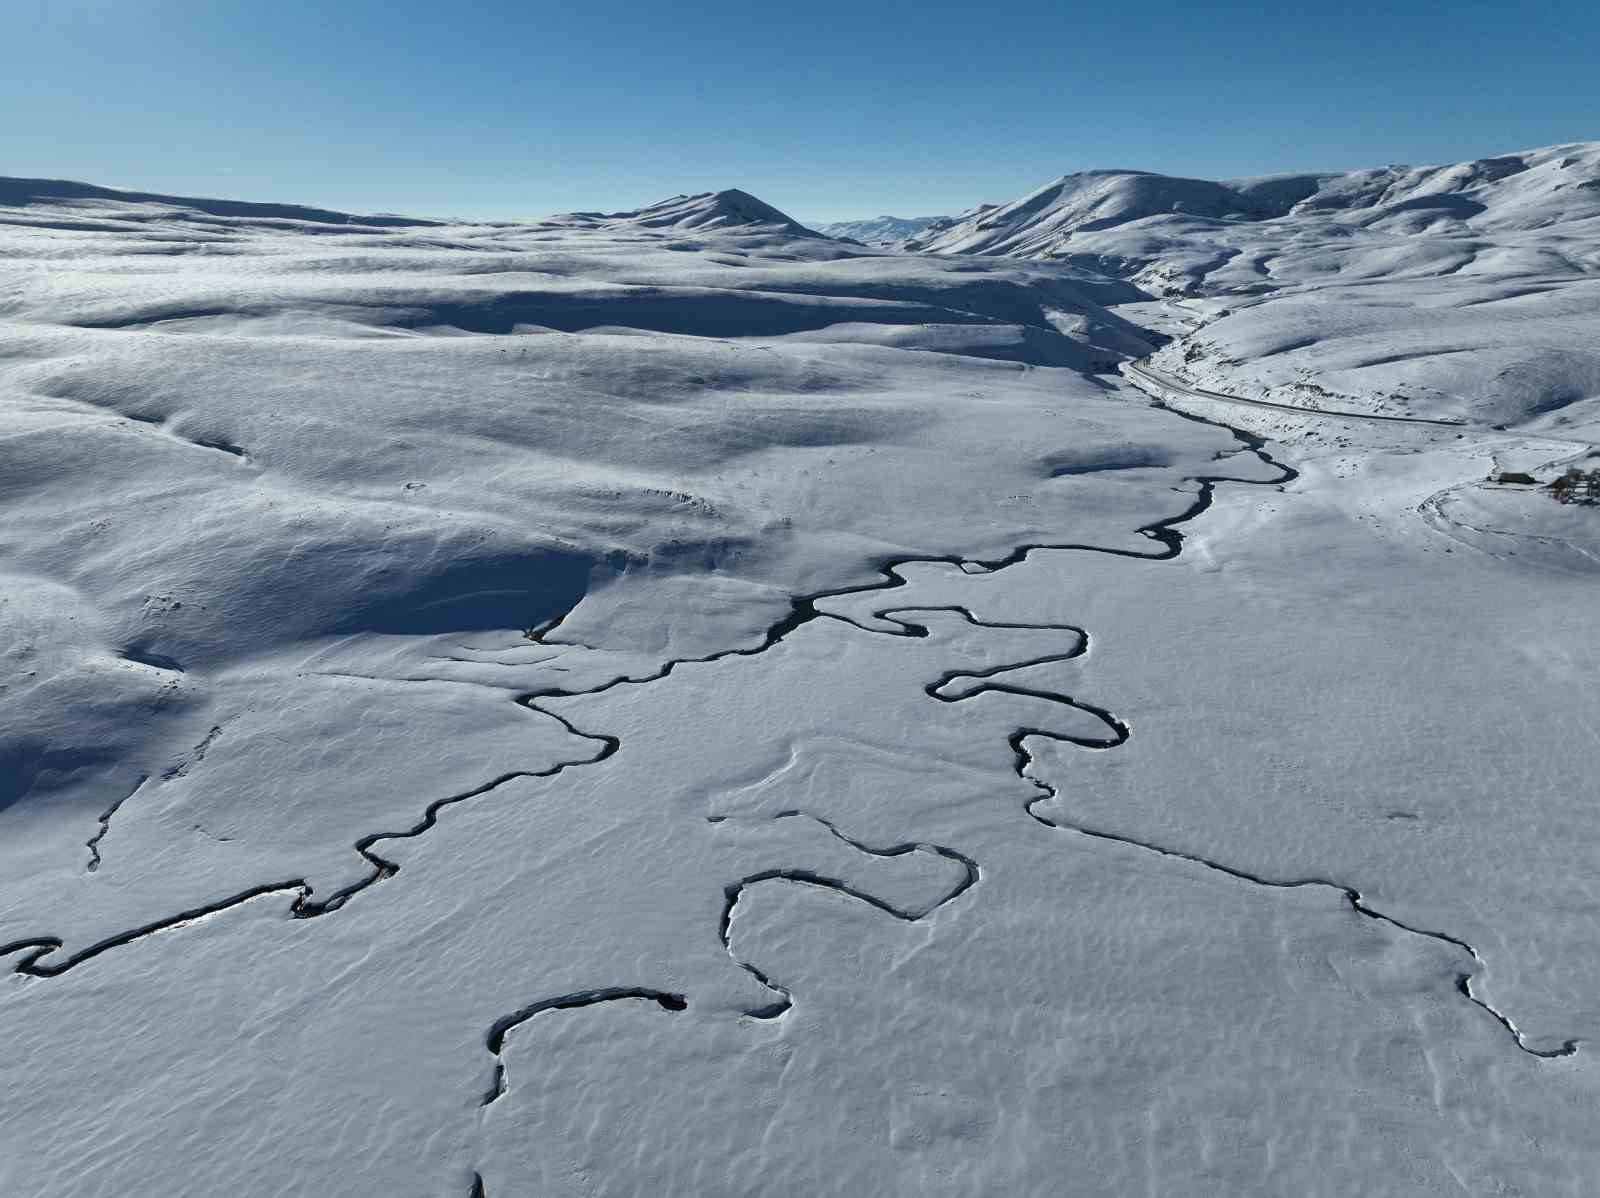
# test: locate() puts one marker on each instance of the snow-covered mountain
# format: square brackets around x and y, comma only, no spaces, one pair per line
[1407,274]
[1130,216]
[668,702]
[1042,222]
[726,210]
[881,230]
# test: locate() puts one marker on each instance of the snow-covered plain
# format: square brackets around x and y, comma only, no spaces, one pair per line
[671,703]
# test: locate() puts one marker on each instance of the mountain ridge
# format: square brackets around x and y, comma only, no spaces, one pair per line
[1523,190]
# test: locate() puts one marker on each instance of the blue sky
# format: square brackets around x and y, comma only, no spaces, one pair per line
[828,110]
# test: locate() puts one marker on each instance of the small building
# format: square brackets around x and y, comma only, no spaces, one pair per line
[1577,486]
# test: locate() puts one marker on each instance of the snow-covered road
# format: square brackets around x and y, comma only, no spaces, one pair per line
[1167,387]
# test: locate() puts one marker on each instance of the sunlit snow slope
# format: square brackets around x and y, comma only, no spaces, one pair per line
[1458,291]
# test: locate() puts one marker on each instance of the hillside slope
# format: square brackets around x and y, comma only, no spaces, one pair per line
[1125,218]
[1465,291]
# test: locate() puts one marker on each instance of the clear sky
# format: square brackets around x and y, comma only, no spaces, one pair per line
[827,109]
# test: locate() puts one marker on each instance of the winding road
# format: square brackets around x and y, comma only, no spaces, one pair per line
[1164,387]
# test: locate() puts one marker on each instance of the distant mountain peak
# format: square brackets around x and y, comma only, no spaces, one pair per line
[727,209]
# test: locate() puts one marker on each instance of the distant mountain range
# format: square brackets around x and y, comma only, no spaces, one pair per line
[1527,190]
[1127,222]
[883,230]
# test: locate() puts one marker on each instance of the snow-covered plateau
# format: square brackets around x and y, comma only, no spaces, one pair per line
[1094,696]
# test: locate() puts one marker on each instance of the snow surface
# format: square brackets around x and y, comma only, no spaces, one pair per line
[669,702]
[1463,291]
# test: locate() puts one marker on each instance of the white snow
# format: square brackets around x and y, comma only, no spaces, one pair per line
[1443,292]
[669,702]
